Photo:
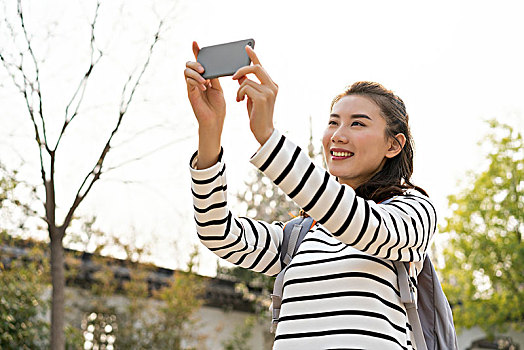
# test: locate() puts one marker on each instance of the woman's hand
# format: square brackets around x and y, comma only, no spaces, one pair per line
[206,96]
[260,97]
[207,100]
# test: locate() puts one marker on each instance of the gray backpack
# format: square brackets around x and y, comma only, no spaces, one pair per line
[430,315]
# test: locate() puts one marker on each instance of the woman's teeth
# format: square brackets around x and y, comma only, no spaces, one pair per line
[342,154]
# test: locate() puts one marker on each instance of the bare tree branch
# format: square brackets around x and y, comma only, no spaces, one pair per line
[144,155]
[28,88]
[123,103]
[96,172]
[147,185]
[28,101]
[36,90]
[143,131]
[80,90]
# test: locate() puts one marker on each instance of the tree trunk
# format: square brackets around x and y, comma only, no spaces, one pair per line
[56,235]
[58,297]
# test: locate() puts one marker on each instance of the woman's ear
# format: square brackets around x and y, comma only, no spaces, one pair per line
[395,145]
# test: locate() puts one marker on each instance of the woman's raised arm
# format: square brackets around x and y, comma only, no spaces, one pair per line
[399,230]
[207,100]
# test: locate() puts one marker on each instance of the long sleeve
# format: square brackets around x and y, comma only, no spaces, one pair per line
[398,230]
[242,241]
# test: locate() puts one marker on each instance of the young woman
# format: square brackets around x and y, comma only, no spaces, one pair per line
[340,291]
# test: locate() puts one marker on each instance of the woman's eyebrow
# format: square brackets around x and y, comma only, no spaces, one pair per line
[353,116]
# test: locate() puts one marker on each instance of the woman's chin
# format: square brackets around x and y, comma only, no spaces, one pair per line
[340,173]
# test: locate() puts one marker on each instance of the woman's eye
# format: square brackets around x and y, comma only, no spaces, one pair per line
[357,123]
[332,122]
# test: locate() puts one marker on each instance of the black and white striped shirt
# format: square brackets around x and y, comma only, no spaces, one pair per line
[341,290]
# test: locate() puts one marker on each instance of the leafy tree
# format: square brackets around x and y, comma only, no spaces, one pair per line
[483,274]
[22,283]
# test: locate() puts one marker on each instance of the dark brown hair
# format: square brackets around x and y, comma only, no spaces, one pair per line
[395,177]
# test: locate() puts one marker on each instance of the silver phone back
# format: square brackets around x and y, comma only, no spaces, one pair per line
[224,59]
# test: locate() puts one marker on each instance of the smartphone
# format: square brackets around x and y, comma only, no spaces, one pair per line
[224,59]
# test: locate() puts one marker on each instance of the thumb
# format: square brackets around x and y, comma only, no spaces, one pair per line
[196,49]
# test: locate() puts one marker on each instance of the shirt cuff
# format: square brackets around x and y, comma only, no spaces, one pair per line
[204,174]
[265,150]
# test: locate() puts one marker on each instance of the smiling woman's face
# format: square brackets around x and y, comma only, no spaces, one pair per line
[355,141]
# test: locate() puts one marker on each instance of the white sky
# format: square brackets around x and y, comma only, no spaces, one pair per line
[454,63]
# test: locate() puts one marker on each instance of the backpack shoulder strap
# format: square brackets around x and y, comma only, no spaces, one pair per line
[294,232]
[407,297]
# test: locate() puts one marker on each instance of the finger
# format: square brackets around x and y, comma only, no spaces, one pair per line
[190,73]
[252,83]
[194,83]
[195,66]
[249,90]
[259,72]
[251,53]
[241,80]
[216,84]
[249,106]
[196,49]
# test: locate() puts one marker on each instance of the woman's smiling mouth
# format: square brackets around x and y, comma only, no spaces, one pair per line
[340,154]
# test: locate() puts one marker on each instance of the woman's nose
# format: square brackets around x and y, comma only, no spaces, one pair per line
[339,136]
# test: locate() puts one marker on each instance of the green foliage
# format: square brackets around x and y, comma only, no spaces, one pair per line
[7,185]
[484,271]
[8,202]
[15,203]
[165,321]
[240,335]
[181,298]
[24,281]
[252,280]
[22,307]
[74,338]
[122,308]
